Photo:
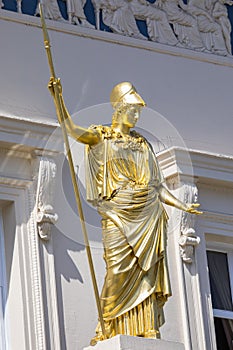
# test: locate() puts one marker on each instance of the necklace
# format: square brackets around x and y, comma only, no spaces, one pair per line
[133,140]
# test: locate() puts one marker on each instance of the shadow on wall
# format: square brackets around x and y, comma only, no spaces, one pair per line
[65,268]
[64,263]
[69,253]
[71,227]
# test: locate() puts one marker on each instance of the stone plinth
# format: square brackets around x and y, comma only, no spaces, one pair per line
[125,342]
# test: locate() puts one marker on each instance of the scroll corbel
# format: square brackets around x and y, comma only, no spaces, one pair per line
[45,215]
[188,239]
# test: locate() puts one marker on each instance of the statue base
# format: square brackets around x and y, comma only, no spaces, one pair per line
[126,342]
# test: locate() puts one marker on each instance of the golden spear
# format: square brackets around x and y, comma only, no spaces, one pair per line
[60,115]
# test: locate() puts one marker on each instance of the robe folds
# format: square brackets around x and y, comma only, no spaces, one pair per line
[122,179]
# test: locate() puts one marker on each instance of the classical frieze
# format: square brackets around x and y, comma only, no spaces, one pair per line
[195,24]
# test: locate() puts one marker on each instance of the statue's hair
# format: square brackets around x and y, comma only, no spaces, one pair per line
[121,109]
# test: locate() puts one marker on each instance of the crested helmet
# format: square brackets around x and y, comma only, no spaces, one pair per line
[125,92]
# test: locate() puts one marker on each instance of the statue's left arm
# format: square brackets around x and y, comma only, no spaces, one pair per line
[167,197]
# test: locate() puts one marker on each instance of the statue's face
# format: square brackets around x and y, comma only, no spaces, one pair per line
[130,117]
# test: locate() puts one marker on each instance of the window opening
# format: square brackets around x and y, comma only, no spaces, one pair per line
[2,286]
[221,278]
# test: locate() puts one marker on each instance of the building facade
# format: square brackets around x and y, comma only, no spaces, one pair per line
[178,55]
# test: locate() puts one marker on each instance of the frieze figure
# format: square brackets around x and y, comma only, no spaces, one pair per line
[124,182]
[184,24]
[158,27]
[220,14]
[119,17]
[210,30]
[76,13]
[51,10]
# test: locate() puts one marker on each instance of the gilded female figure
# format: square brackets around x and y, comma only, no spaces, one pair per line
[126,185]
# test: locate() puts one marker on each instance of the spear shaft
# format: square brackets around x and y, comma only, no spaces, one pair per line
[60,115]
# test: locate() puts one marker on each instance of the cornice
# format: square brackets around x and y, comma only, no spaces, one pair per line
[188,163]
[115,38]
[216,187]
[217,217]
[15,152]
[21,134]
[15,182]
[30,137]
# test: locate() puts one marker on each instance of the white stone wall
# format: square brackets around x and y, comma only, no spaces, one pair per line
[191,90]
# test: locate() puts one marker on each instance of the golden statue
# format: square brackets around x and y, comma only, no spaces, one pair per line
[126,185]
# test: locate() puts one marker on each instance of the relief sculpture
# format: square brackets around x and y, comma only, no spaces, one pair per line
[76,13]
[118,15]
[220,14]
[156,19]
[200,25]
[51,10]
[210,30]
[184,24]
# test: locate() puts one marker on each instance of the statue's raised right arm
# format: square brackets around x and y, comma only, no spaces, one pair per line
[80,134]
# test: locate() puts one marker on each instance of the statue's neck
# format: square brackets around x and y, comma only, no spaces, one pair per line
[122,128]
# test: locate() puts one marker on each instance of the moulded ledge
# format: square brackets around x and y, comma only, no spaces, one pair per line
[125,342]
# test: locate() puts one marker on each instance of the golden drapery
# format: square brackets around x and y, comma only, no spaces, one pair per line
[122,177]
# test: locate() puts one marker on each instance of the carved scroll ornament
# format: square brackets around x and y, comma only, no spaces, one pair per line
[188,239]
[45,215]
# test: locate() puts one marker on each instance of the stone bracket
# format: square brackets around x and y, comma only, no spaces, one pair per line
[45,181]
[188,239]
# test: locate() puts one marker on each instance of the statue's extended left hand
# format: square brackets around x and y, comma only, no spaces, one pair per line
[192,208]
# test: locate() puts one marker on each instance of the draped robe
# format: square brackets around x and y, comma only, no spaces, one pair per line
[122,177]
